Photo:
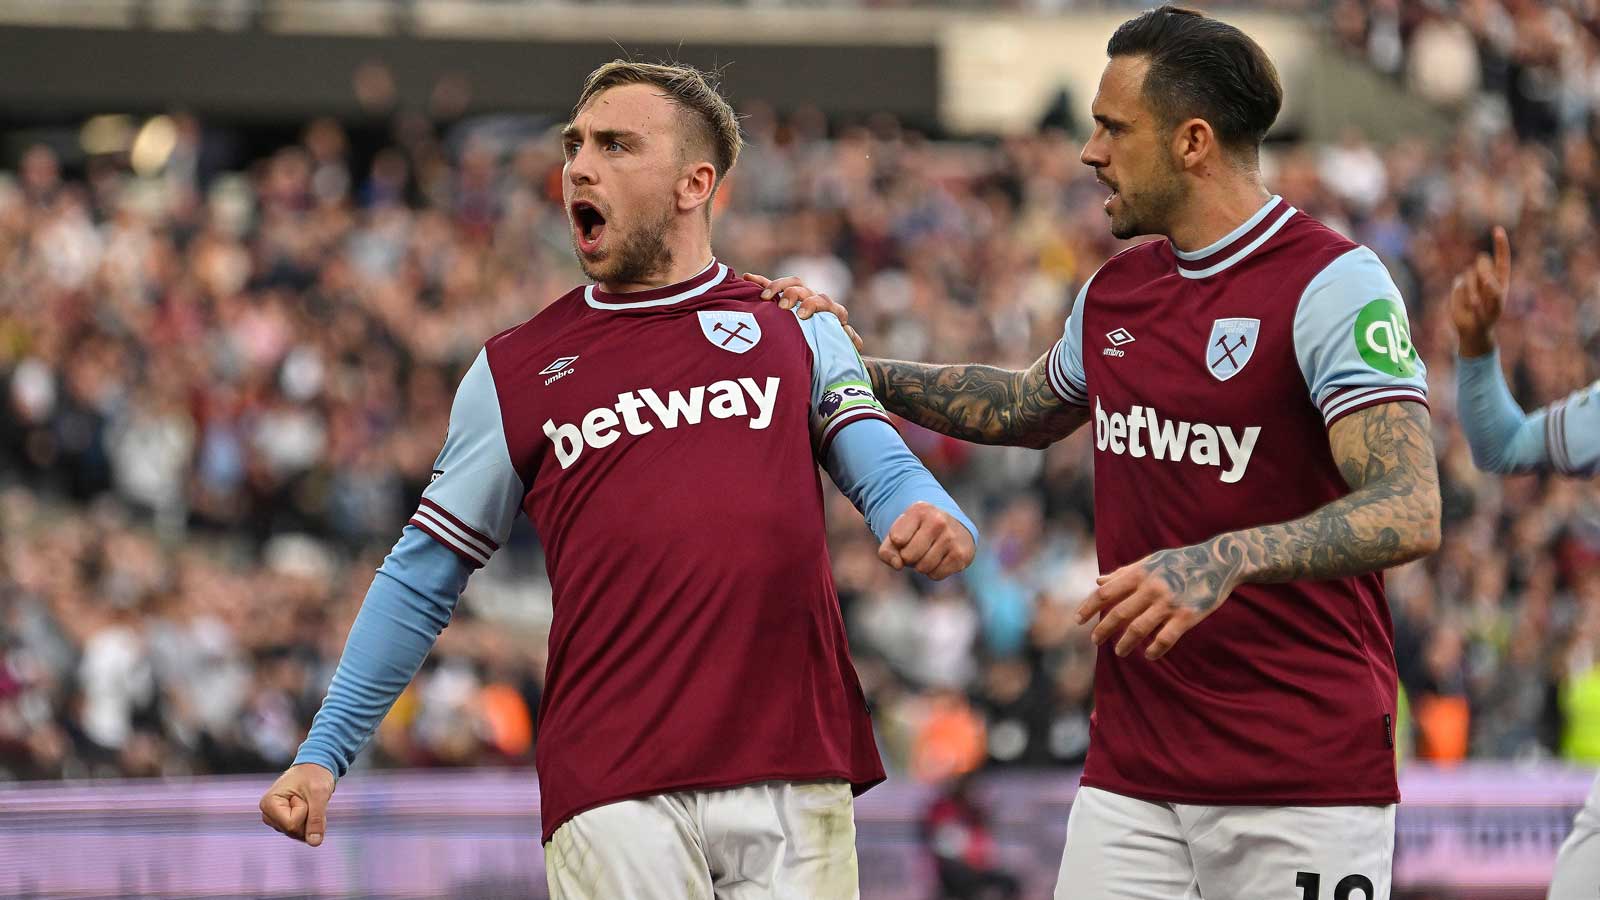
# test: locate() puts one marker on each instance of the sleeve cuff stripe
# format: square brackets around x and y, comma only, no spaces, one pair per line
[470,557]
[447,536]
[451,528]
[1373,399]
[1069,391]
[1566,456]
[1058,381]
[1053,368]
[1555,437]
[827,439]
[1552,437]
[840,419]
[461,527]
[449,544]
[1342,395]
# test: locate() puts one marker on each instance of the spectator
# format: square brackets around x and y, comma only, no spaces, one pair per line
[956,831]
[224,383]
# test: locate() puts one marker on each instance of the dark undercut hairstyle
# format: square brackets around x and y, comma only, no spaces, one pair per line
[1201,68]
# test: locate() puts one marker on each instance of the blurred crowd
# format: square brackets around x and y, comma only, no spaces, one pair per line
[1540,57]
[226,374]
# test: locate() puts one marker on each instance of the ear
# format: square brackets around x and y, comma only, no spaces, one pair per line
[696,185]
[1193,143]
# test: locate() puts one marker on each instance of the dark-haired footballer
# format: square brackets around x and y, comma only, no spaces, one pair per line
[1262,454]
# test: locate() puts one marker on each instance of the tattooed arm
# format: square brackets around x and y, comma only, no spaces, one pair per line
[981,404]
[1391,516]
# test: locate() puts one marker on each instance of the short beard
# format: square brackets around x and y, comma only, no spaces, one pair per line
[643,254]
[1153,210]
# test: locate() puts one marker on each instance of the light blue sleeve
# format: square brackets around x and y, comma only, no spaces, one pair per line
[1353,339]
[1065,365]
[873,467]
[408,605]
[1572,430]
[476,491]
[1562,437]
[841,391]
[869,462]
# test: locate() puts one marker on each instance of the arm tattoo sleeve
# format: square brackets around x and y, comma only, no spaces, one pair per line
[1390,517]
[981,404]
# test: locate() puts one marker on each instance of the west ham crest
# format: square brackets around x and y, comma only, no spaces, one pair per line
[1232,343]
[733,331]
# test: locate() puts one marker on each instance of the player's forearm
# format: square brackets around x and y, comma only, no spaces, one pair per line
[1502,438]
[1390,517]
[872,466]
[981,404]
[1379,526]
[406,608]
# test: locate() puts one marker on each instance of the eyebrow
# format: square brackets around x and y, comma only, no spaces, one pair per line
[1109,122]
[604,135]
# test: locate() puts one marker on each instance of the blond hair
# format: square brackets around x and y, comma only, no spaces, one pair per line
[695,92]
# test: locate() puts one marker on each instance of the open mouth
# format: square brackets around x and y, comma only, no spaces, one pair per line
[590,225]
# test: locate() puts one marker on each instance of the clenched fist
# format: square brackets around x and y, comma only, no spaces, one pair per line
[297,803]
[930,540]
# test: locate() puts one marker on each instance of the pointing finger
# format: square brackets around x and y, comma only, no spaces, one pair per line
[1469,288]
[1488,284]
[1502,256]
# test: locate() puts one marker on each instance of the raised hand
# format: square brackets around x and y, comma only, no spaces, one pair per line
[1478,296]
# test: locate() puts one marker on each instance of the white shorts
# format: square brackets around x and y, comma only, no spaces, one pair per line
[1119,848]
[778,840]
[1578,865]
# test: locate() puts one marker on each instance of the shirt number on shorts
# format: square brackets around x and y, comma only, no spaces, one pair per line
[1310,885]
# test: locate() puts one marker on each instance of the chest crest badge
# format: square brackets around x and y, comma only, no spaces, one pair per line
[1230,346]
[735,332]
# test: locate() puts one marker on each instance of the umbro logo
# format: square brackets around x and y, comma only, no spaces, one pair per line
[558,369]
[558,365]
[1117,338]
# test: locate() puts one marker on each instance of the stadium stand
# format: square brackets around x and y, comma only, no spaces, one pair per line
[227,366]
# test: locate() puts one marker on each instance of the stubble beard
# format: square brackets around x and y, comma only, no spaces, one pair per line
[1152,210]
[640,255]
